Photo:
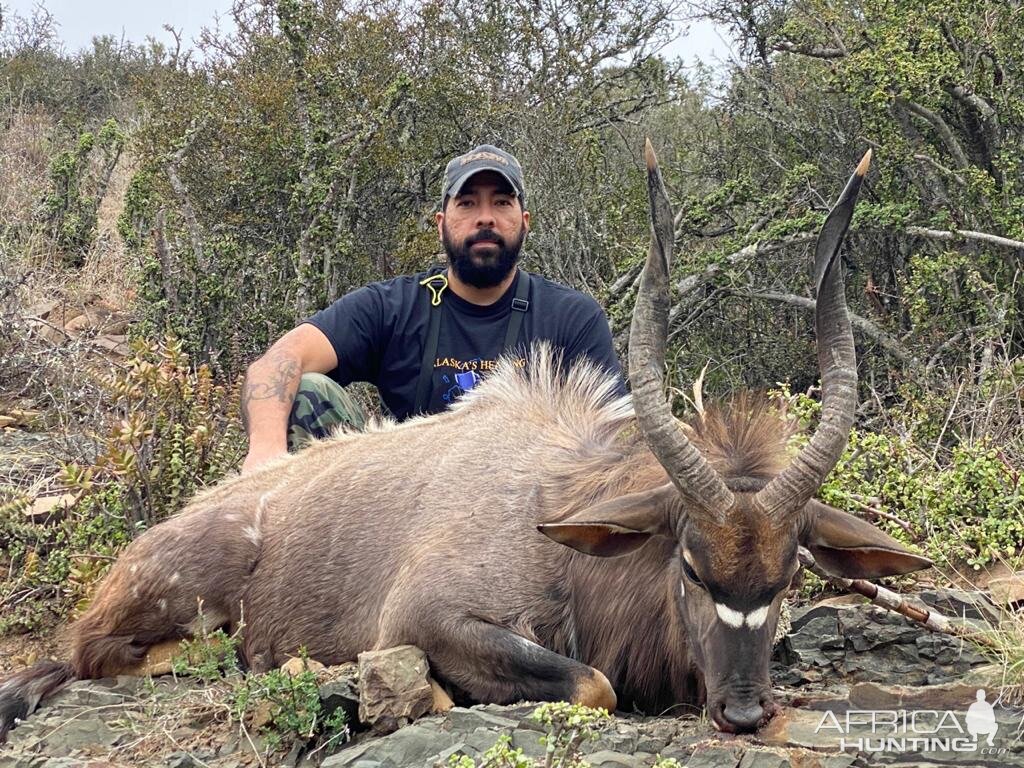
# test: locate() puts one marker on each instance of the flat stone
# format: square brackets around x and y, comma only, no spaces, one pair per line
[715,757]
[800,728]
[116,344]
[394,688]
[960,603]
[42,310]
[619,737]
[529,742]
[296,665]
[755,758]
[952,696]
[48,332]
[1007,590]
[47,508]
[413,745]
[480,740]
[608,759]
[467,720]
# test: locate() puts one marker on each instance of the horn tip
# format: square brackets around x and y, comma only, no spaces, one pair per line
[865,163]
[649,156]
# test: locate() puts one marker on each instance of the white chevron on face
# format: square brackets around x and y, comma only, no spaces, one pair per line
[754,620]
[733,618]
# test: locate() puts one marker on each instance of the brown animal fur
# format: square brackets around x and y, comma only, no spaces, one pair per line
[311,550]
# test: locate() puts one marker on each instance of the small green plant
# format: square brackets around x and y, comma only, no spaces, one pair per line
[568,727]
[501,755]
[209,657]
[284,707]
[178,431]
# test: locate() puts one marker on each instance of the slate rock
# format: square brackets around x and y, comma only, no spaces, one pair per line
[608,759]
[619,737]
[754,758]
[715,757]
[394,688]
[467,719]
[341,691]
[413,745]
[528,740]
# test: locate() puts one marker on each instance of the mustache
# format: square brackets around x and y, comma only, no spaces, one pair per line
[485,236]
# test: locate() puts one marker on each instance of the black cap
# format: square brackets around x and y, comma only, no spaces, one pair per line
[486,157]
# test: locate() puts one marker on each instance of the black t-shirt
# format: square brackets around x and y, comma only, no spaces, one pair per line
[378,333]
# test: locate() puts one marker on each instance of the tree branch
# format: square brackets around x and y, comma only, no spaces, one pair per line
[940,126]
[966,234]
[865,326]
[814,51]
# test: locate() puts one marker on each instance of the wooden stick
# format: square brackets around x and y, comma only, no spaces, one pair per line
[895,602]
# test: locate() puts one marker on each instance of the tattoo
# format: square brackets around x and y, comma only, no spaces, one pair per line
[281,384]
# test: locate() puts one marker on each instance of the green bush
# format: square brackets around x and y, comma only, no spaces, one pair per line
[287,707]
[961,505]
[77,190]
[175,431]
[567,727]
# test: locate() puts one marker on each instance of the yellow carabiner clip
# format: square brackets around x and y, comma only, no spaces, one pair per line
[435,290]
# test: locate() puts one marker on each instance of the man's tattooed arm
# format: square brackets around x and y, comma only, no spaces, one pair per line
[274,377]
[267,394]
[270,386]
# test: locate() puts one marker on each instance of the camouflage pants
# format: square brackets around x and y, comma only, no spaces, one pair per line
[320,406]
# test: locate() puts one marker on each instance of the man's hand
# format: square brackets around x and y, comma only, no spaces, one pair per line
[259,455]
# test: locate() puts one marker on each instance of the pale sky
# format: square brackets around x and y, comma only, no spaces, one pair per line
[80,20]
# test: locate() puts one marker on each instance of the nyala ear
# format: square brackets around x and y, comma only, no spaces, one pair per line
[850,547]
[618,526]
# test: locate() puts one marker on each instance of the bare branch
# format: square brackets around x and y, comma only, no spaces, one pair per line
[941,128]
[892,601]
[966,234]
[865,326]
[941,168]
[814,51]
[182,195]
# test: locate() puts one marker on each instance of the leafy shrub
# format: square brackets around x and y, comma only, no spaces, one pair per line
[967,507]
[77,191]
[211,656]
[175,431]
[568,727]
[286,707]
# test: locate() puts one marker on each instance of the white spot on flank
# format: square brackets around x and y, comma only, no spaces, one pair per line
[162,604]
[134,568]
[175,578]
[733,618]
[252,535]
[264,499]
[755,619]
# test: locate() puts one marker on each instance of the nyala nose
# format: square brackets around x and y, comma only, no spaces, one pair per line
[743,717]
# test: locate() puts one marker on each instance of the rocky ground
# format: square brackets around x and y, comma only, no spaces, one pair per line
[844,665]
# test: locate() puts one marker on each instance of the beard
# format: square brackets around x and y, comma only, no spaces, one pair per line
[482,270]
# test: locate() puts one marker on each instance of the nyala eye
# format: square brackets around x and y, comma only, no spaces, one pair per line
[691,574]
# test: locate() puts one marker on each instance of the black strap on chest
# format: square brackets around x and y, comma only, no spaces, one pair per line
[436,285]
[520,305]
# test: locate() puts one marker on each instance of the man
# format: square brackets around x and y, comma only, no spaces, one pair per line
[425,339]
